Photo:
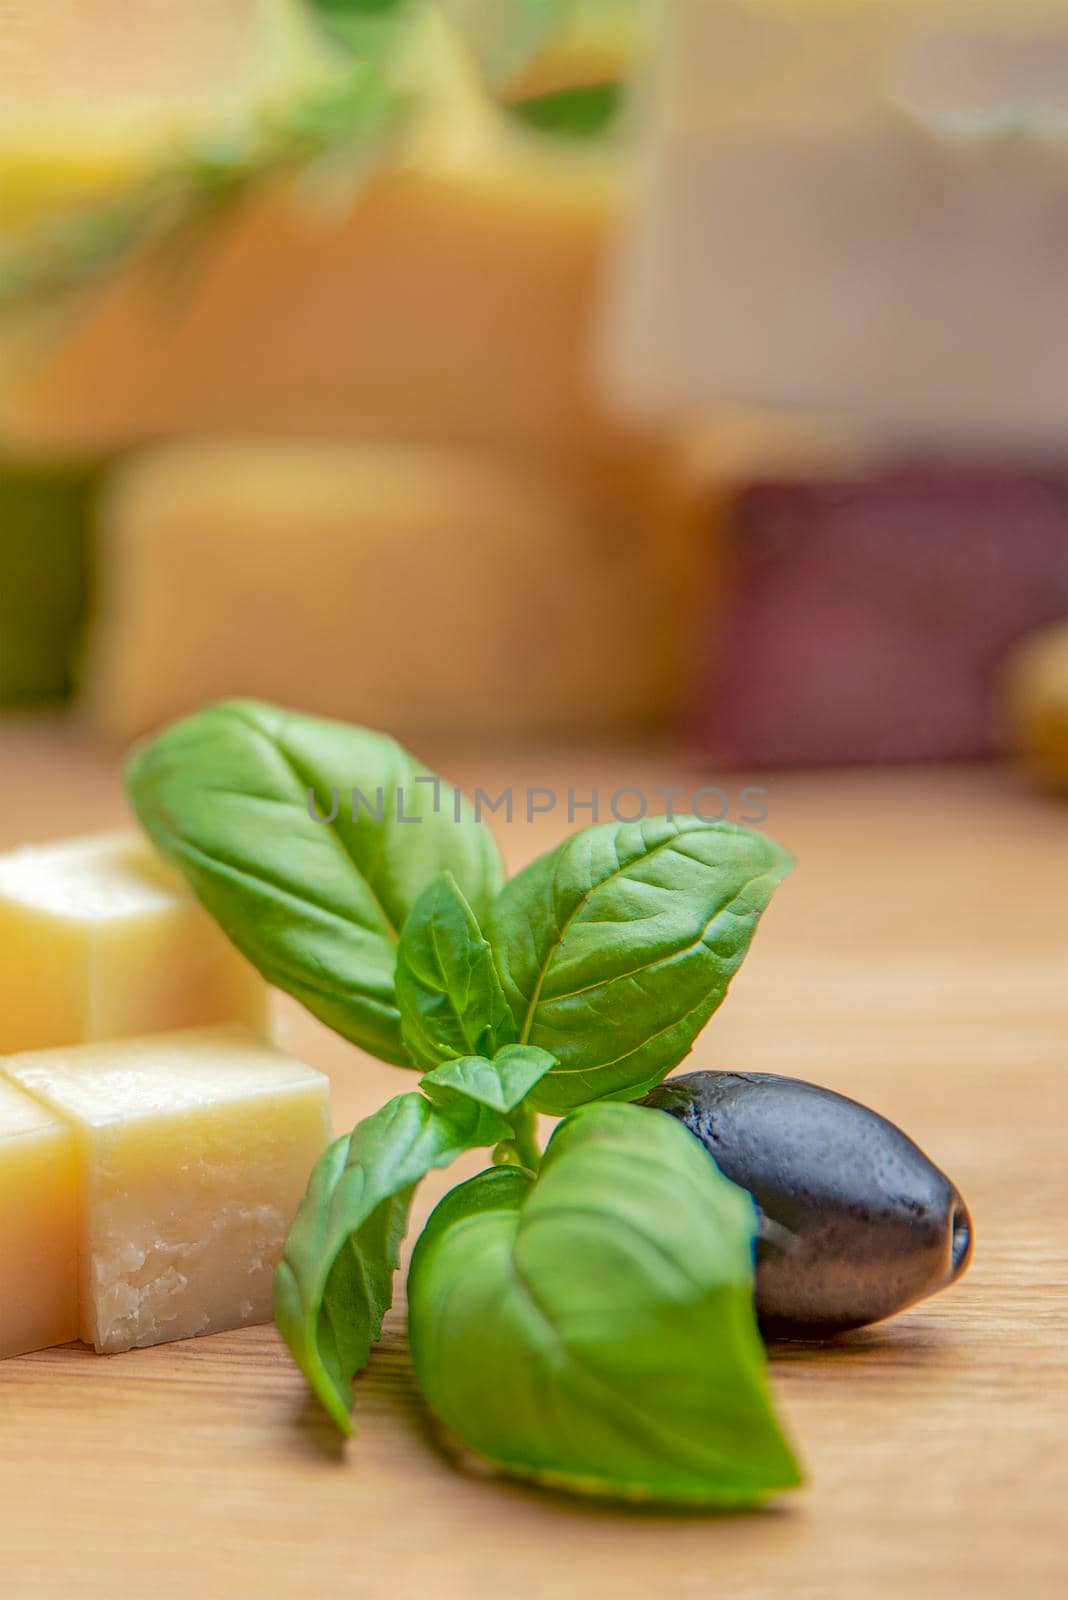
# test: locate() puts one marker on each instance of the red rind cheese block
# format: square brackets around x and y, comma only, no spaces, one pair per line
[868,620]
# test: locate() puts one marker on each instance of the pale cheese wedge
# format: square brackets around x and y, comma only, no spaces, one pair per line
[853,207]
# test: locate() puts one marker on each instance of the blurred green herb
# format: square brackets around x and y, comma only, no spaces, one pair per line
[368,27]
[587,111]
[178,205]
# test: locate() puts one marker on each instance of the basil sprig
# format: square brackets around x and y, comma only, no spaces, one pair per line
[587,1320]
[348,124]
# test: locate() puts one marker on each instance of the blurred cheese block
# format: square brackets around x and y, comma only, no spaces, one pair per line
[440,306]
[194,1151]
[446,296]
[93,96]
[411,588]
[38,1226]
[1035,703]
[100,939]
[866,619]
[855,206]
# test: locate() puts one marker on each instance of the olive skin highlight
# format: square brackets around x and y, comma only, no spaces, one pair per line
[856,1222]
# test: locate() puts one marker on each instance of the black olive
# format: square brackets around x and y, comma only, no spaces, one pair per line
[856,1222]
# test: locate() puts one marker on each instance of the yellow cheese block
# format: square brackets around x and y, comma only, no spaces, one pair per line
[418,589]
[194,1150]
[441,306]
[100,939]
[38,1226]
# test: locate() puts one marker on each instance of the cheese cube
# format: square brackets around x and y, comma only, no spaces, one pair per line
[855,206]
[100,939]
[195,1148]
[38,1226]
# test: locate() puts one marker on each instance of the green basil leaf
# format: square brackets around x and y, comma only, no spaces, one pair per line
[501,1084]
[227,796]
[593,1328]
[616,948]
[450,997]
[334,1283]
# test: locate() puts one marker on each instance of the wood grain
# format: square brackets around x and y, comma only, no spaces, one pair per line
[918,959]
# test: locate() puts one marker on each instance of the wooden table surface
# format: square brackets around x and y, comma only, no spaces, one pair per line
[917,959]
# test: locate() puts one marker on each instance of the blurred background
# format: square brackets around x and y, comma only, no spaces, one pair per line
[540,373]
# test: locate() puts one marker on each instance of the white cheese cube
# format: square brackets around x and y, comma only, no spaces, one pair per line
[859,207]
[38,1226]
[195,1148]
[100,939]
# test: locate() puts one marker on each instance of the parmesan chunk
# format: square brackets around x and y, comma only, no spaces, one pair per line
[194,1148]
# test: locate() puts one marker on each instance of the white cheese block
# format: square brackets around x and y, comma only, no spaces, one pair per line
[194,1150]
[855,206]
[38,1226]
[101,939]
